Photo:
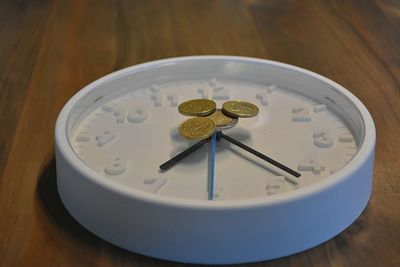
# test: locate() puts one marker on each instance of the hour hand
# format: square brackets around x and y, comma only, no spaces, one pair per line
[170,163]
[260,155]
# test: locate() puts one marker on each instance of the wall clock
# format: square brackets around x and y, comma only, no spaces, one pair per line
[114,134]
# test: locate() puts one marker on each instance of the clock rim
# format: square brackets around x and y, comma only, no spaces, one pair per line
[366,147]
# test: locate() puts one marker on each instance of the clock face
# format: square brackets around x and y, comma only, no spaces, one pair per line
[127,128]
[115,141]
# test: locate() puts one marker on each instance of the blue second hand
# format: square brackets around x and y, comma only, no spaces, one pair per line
[211,180]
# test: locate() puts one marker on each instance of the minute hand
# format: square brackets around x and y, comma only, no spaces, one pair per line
[260,155]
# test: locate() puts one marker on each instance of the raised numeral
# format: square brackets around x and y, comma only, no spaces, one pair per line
[300,114]
[155,88]
[82,138]
[311,163]
[109,107]
[136,115]
[271,88]
[120,114]
[263,98]
[159,99]
[155,185]
[322,139]
[116,166]
[105,137]
[203,92]
[346,138]
[174,100]
[220,93]
[275,185]
[319,108]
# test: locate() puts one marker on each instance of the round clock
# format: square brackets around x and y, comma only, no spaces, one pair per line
[293,176]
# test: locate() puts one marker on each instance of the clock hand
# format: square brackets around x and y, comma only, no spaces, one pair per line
[258,154]
[212,162]
[170,163]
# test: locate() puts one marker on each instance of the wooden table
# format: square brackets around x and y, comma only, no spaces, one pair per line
[51,49]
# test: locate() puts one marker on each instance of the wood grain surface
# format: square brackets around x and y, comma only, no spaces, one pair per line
[51,49]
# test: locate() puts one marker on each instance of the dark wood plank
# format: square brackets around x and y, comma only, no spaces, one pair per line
[51,49]
[69,56]
[21,36]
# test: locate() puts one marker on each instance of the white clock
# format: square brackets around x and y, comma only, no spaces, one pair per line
[112,136]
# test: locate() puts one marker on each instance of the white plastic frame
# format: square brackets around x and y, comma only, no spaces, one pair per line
[214,232]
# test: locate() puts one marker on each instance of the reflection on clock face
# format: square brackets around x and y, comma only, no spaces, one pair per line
[129,137]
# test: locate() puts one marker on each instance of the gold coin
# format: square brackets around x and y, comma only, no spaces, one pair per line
[222,121]
[241,109]
[197,107]
[197,128]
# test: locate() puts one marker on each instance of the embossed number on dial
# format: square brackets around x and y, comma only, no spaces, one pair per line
[159,98]
[301,114]
[116,166]
[137,115]
[322,139]
[155,185]
[311,163]
[275,185]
